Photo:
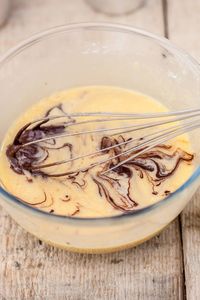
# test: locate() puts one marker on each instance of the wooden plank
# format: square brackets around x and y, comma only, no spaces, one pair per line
[28,17]
[184,25]
[32,270]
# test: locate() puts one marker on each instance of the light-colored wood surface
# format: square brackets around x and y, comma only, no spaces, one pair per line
[32,270]
[184,24]
[29,17]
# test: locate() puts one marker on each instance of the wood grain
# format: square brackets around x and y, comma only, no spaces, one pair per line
[32,270]
[184,25]
[28,17]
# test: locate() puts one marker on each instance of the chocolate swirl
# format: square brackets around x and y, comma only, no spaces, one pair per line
[156,165]
[23,157]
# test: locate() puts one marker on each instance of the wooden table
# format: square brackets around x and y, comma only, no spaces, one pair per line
[166,267]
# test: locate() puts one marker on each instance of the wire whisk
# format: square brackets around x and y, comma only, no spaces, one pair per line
[178,123]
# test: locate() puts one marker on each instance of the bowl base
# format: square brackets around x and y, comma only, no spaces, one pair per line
[102,250]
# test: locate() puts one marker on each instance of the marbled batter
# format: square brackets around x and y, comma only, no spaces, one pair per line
[80,188]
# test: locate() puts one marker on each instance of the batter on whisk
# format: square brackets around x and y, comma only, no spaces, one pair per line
[46,163]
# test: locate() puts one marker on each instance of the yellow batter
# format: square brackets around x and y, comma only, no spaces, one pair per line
[78,188]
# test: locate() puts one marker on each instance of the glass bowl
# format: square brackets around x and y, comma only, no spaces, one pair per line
[98,54]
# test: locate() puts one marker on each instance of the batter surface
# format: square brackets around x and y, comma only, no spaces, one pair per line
[80,188]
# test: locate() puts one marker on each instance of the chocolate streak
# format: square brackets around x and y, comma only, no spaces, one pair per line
[114,186]
[24,157]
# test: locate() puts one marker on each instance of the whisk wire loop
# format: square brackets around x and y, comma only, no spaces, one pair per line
[185,121]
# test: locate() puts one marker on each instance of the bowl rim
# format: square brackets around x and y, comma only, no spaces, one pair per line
[115,27]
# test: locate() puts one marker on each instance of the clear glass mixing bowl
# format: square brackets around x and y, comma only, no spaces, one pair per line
[98,54]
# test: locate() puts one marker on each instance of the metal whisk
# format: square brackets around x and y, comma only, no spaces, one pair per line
[188,120]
